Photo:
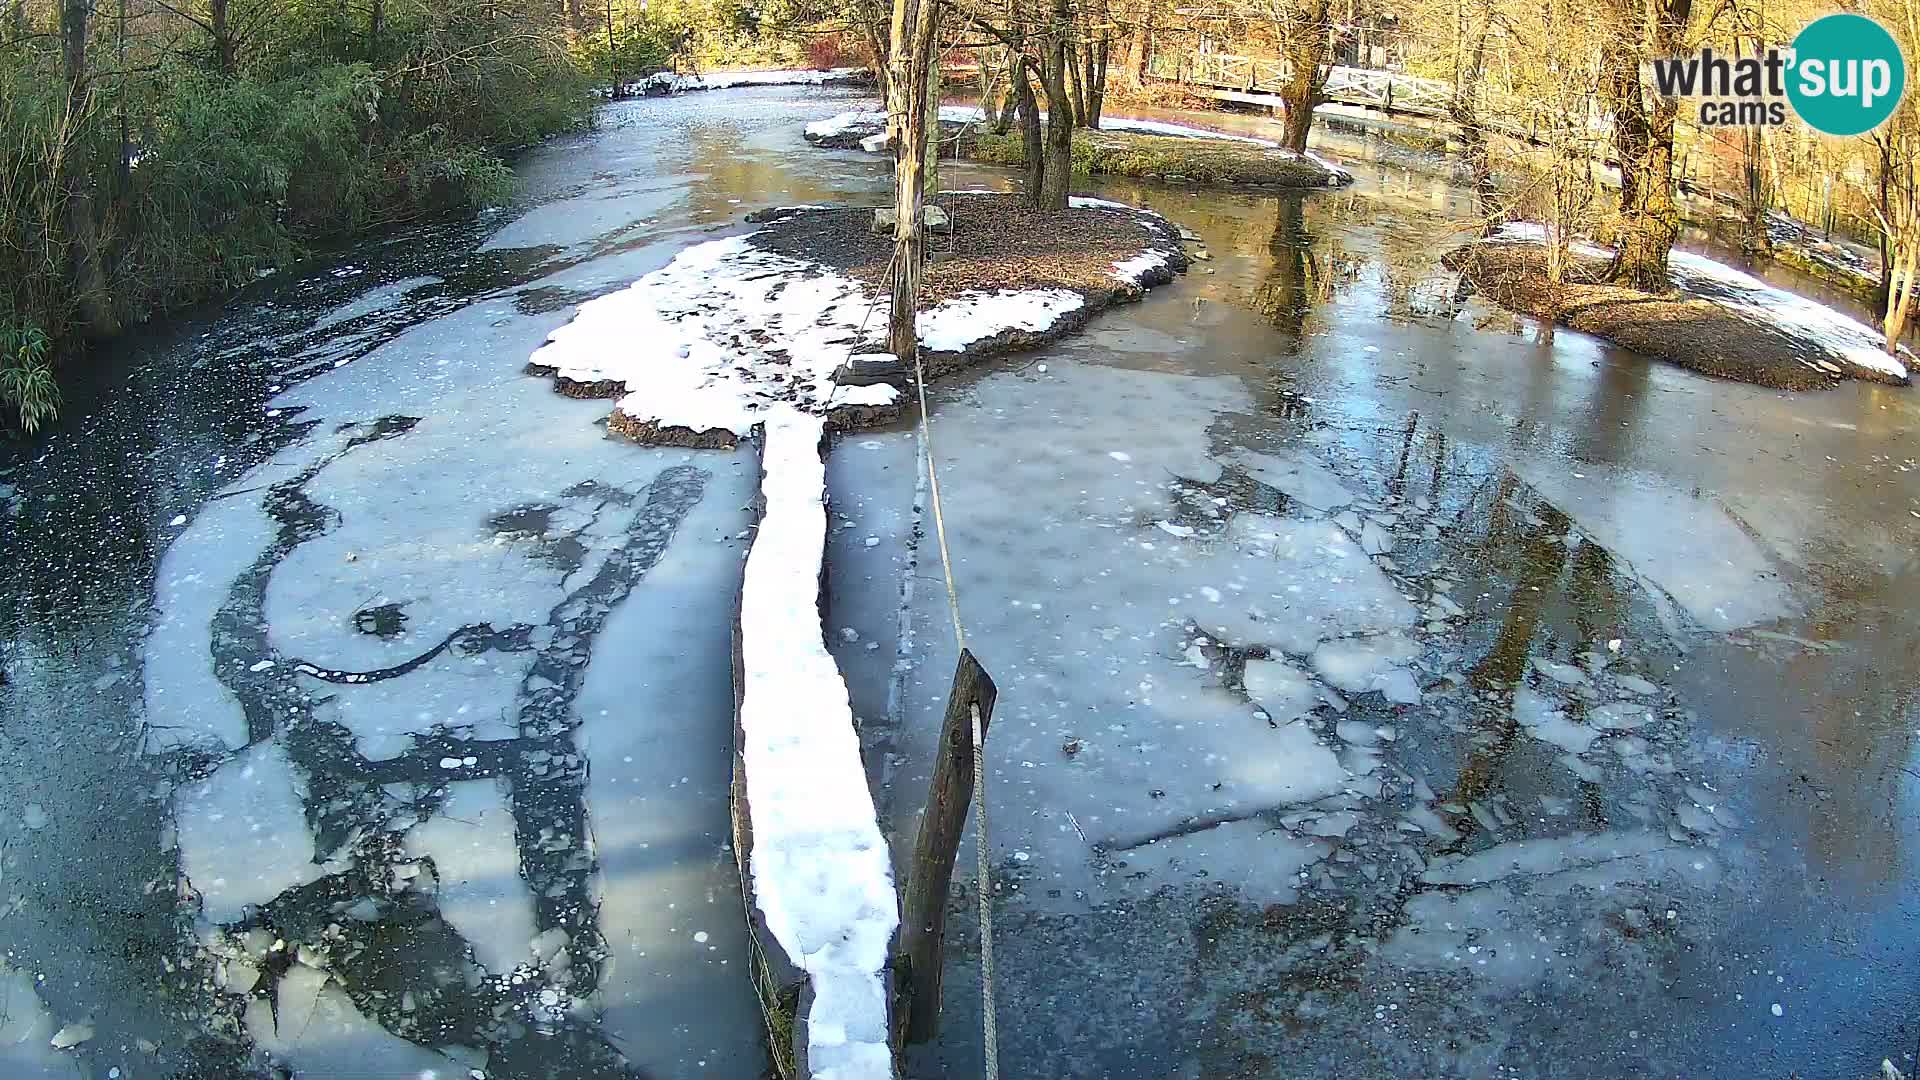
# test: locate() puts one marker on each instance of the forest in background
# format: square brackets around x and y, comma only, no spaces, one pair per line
[154,152]
[157,152]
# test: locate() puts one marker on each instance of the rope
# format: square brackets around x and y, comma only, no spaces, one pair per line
[983,878]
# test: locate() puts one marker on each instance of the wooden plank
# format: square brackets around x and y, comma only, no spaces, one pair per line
[923,919]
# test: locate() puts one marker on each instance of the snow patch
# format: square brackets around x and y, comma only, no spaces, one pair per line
[670,82]
[1754,300]
[727,330]
[1848,338]
[1135,270]
[972,317]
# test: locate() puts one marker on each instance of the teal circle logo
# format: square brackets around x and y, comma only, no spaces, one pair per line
[1847,75]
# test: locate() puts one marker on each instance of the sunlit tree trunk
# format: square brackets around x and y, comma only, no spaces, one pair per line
[1648,221]
[1306,50]
[1140,51]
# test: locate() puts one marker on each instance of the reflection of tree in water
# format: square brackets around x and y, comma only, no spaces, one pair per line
[1393,253]
[1305,268]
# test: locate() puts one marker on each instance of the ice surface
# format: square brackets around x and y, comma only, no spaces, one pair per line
[1378,662]
[1079,605]
[26,1031]
[821,873]
[1537,858]
[1318,585]
[1260,862]
[1296,475]
[656,728]
[243,832]
[1684,543]
[1540,717]
[185,702]
[320,1033]
[1283,690]
[962,114]
[471,842]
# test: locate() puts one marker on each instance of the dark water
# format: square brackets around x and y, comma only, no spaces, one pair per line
[411,754]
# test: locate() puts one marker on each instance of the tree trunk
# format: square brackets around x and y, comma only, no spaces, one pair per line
[93,307]
[1900,292]
[1097,84]
[613,55]
[1076,92]
[222,31]
[1033,153]
[1016,71]
[1140,51]
[1464,108]
[1755,196]
[930,182]
[377,28]
[1307,53]
[874,27]
[910,85]
[1648,220]
[1058,174]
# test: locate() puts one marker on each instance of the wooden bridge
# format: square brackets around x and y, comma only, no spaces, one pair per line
[1258,81]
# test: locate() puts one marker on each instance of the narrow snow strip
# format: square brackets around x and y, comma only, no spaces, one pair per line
[821,874]
[1337,171]
[1534,232]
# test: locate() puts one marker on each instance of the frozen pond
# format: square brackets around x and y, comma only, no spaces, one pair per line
[1384,686]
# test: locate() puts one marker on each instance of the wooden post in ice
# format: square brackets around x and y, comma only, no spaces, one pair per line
[923,918]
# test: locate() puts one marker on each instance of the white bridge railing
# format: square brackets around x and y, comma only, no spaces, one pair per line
[1391,91]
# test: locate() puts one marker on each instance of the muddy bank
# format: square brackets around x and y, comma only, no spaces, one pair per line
[773,318]
[1150,150]
[1701,332]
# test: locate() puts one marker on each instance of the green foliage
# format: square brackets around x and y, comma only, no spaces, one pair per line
[26,373]
[323,119]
